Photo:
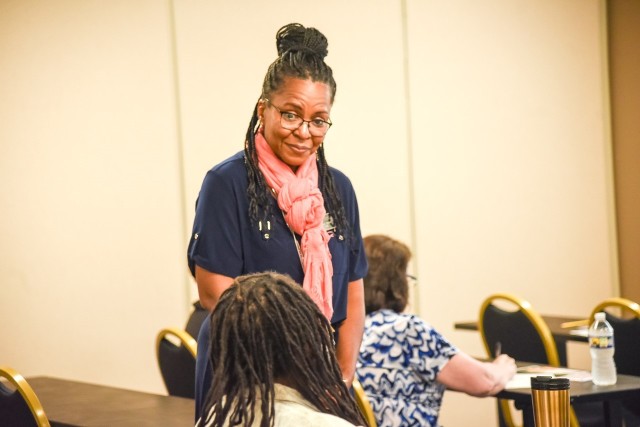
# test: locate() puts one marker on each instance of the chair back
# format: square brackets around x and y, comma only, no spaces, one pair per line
[19,405]
[626,331]
[196,318]
[363,404]
[521,333]
[176,354]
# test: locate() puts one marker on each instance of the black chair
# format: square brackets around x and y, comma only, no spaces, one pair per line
[176,354]
[626,334]
[19,405]
[196,318]
[521,333]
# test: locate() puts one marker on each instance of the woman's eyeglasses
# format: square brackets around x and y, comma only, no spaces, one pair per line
[291,121]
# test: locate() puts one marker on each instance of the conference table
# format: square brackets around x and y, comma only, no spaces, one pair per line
[562,328]
[565,329]
[627,387]
[73,403]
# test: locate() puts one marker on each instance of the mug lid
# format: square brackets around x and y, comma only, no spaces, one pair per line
[549,383]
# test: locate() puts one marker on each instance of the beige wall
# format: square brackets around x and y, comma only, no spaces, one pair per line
[624,69]
[511,160]
[477,132]
[91,249]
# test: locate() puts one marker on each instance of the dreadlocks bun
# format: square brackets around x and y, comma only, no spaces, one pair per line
[294,38]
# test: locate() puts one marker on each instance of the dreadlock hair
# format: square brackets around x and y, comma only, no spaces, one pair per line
[265,328]
[301,53]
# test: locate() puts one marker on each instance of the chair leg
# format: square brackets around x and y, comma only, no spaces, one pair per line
[505,418]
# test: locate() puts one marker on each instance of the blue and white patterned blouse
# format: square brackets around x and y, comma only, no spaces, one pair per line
[400,357]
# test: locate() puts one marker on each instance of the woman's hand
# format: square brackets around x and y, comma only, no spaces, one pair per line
[466,374]
[508,363]
[351,330]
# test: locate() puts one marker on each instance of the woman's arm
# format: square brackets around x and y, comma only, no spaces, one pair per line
[211,286]
[351,330]
[466,374]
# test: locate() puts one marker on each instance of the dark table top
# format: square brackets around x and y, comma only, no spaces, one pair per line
[586,391]
[73,403]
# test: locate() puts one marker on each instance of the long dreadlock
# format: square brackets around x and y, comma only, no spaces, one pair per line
[301,53]
[265,328]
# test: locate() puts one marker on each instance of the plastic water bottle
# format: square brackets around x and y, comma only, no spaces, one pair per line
[601,347]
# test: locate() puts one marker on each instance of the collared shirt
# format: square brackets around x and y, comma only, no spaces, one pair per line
[293,410]
[225,241]
[400,358]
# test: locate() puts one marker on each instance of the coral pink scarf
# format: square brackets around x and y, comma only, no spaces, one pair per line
[303,206]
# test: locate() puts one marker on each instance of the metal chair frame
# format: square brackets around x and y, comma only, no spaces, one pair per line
[29,396]
[623,303]
[363,404]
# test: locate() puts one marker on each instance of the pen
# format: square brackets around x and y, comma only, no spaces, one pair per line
[498,349]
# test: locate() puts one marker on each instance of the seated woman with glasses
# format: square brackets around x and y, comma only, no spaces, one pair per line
[405,365]
[273,359]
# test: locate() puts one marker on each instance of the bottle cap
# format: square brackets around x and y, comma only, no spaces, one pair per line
[549,383]
[600,316]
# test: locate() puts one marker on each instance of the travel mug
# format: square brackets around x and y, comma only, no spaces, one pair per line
[551,403]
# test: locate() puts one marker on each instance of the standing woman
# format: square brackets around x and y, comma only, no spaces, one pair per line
[279,206]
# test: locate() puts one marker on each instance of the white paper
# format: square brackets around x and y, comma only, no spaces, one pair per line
[521,380]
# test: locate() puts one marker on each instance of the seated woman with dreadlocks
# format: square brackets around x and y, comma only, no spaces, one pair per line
[405,365]
[273,359]
[278,206]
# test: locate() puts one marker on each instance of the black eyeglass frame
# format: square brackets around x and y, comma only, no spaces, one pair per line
[302,121]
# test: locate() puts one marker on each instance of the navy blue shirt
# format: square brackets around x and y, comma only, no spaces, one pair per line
[225,241]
